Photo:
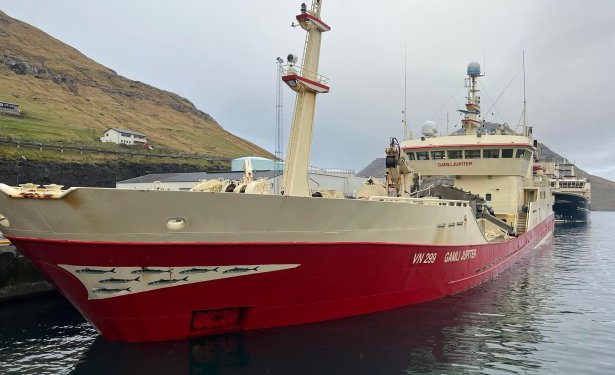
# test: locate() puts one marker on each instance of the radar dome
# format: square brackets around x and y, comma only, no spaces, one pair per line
[474,69]
[429,129]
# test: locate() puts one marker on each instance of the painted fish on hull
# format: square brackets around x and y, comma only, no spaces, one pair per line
[119,281]
[151,271]
[160,277]
[241,269]
[199,270]
[167,281]
[95,271]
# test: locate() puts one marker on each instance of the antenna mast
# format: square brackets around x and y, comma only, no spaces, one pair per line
[471,120]
[524,100]
[405,111]
[279,127]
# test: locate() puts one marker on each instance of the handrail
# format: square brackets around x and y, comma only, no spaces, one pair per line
[299,70]
[422,190]
[426,201]
[332,170]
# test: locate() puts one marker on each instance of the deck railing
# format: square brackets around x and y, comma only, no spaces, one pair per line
[425,201]
[296,69]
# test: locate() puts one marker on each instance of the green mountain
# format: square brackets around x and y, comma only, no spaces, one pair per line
[66,96]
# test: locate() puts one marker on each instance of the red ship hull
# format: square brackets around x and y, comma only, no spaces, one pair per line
[333,280]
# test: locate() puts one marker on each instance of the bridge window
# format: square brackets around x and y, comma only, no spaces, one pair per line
[525,154]
[437,155]
[472,154]
[507,153]
[488,197]
[491,153]
[455,154]
[422,155]
[411,156]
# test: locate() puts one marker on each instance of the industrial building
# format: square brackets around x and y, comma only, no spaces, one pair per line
[343,181]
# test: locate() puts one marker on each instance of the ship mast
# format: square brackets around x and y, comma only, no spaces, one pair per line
[525,132]
[405,111]
[306,82]
[279,126]
[471,120]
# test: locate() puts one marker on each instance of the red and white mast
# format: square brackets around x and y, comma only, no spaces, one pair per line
[306,82]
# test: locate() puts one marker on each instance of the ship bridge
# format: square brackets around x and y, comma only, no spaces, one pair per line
[485,159]
[471,155]
[491,166]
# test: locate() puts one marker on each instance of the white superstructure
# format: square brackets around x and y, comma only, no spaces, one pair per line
[496,166]
[564,179]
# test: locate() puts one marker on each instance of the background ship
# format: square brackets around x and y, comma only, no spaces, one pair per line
[147,265]
[572,194]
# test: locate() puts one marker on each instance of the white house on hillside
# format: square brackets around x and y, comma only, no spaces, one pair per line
[124,137]
[9,108]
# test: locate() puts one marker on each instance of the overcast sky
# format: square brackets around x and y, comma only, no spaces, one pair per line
[221,56]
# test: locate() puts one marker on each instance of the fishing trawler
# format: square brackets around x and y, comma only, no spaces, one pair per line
[152,265]
[572,194]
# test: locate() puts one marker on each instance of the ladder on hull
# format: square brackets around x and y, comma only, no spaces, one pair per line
[521,223]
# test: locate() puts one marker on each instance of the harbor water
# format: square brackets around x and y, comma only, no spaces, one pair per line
[552,313]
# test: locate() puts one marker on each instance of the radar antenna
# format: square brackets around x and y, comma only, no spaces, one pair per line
[471,120]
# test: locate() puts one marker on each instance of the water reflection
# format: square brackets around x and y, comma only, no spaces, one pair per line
[42,335]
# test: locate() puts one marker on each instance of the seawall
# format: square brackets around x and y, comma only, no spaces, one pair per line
[100,174]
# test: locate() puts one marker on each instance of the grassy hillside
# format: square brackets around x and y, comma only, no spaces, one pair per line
[65,96]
